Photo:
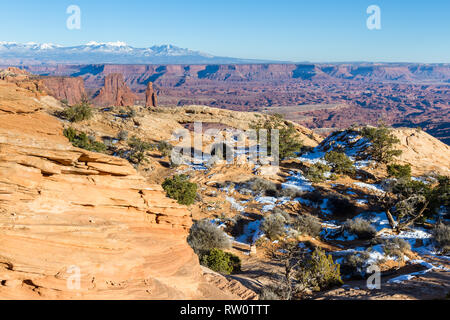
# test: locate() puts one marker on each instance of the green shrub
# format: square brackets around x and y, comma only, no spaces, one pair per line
[399,171]
[165,148]
[341,206]
[361,228]
[81,140]
[382,143]
[220,261]
[138,150]
[442,237]
[439,197]
[205,236]
[339,162]
[289,139]
[273,226]
[307,224]
[78,112]
[319,272]
[181,189]
[317,172]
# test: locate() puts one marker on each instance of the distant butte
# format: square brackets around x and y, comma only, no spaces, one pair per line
[115,92]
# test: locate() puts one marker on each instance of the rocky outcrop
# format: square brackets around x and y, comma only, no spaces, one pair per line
[151,99]
[422,151]
[69,214]
[187,115]
[70,89]
[115,92]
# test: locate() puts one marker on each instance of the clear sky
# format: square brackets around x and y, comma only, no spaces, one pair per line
[290,30]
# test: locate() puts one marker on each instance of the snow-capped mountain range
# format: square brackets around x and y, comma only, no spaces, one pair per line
[105,52]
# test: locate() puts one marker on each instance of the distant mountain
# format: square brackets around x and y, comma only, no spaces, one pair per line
[110,52]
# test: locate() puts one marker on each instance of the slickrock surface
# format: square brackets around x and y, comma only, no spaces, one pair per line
[233,119]
[63,208]
[115,92]
[422,151]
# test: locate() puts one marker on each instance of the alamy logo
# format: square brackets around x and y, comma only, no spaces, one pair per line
[74,20]
[374,20]
[74,280]
[374,281]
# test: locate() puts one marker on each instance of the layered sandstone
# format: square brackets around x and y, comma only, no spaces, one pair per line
[64,210]
[70,89]
[115,92]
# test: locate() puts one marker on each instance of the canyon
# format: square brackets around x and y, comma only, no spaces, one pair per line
[319,96]
[63,209]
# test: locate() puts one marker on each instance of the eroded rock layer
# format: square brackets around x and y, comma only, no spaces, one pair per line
[115,92]
[64,210]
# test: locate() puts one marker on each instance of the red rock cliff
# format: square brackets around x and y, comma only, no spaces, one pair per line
[150,95]
[115,92]
[65,88]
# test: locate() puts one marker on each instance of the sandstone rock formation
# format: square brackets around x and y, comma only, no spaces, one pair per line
[115,92]
[422,151]
[234,119]
[65,210]
[65,88]
[151,99]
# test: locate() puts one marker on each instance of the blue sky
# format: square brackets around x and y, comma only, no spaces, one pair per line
[290,30]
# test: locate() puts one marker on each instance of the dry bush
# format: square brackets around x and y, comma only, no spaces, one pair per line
[205,236]
[361,228]
[307,224]
[273,226]
[442,237]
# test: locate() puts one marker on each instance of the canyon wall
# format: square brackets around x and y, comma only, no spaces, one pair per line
[70,89]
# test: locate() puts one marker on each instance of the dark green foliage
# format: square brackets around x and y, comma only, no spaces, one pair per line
[398,171]
[382,143]
[341,206]
[413,195]
[442,237]
[273,226]
[405,188]
[138,150]
[439,197]
[289,140]
[165,148]
[205,236]
[339,162]
[361,228]
[78,112]
[81,140]
[307,224]
[220,261]
[317,172]
[181,189]
[319,272]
